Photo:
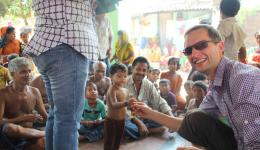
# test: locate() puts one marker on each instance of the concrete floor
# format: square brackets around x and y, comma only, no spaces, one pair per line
[167,141]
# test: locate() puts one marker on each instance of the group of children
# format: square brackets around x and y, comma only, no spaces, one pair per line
[107,118]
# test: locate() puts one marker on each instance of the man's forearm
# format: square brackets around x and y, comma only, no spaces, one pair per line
[169,121]
[169,113]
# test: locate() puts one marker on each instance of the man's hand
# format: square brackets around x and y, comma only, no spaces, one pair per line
[142,110]
[131,101]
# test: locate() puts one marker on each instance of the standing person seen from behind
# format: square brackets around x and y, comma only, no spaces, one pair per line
[104,33]
[64,41]
[231,32]
[233,94]
[117,101]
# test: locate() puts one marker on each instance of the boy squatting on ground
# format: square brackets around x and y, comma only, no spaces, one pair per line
[116,102]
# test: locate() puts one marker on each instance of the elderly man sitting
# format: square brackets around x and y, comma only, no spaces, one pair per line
[100,79]
[18,102]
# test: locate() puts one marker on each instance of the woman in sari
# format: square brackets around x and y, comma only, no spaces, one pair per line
[124,52]
[8,43]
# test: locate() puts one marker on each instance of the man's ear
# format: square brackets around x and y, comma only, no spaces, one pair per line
[221,47]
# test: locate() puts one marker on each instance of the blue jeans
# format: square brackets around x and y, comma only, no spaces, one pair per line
[64,72]
[132,130]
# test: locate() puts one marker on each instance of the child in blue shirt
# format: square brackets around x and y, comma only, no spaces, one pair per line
[94,113]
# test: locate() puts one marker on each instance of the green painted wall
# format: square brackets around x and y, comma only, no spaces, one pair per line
[113,16]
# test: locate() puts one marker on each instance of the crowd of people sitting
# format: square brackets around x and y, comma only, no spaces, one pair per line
[144,82]
[129,99]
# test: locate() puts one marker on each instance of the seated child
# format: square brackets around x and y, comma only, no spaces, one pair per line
[94,113]
[198,76]
[188,88]
[199,90]
[153,76]
[116,104]
[175,80]
[164,86]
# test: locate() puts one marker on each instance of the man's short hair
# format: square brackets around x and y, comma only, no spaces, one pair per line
[117,67]
[164,81]
[140,59]
[212,32]
[229,8]
[95,65]
[15,64]
[23,33]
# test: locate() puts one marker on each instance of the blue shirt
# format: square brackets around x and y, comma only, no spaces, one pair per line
[235,94]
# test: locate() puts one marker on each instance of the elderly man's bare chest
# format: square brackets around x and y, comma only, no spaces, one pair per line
[19,103]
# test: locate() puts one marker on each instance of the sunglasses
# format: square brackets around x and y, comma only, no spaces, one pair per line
[198,46]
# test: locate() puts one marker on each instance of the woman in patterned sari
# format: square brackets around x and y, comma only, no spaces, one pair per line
[124,52]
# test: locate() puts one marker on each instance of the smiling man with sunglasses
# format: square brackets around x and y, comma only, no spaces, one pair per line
[228,118]
[233,95]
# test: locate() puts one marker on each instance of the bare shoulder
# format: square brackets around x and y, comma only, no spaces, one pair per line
[111,90]
[34,90]
[4,93]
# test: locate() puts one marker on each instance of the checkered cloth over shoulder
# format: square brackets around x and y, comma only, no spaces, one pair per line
[64,21]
